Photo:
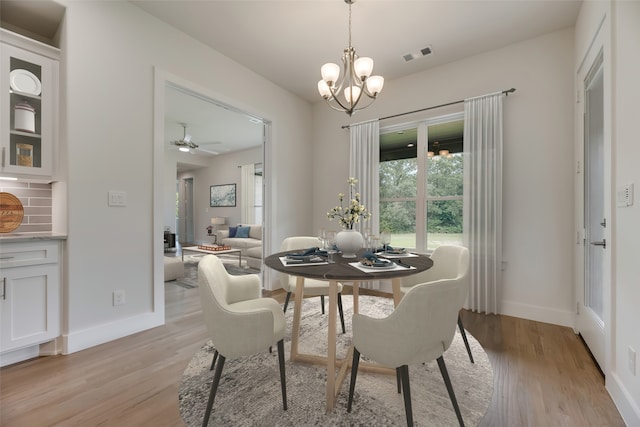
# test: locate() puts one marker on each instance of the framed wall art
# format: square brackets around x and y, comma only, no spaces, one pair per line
[223,195]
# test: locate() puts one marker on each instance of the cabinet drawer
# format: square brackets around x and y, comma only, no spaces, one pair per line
[28,253]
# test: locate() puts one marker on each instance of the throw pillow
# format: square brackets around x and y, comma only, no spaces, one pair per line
[233,231]
[243,232]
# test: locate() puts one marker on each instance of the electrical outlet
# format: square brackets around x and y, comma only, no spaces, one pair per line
[632,360]
[119,297]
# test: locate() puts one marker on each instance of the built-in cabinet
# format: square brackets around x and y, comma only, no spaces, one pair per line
[29,297]
[29,107]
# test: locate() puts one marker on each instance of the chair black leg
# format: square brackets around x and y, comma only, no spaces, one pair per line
[398,380]
[286,302]
[283,382]
[322,303]
[213,362]
[464,338]
[214,389]
[341,312]
[452,395]
[354,373]
[404,374]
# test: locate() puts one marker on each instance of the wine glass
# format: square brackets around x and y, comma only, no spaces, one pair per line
[322,235]
[374,242]
[329,245]
[385,238]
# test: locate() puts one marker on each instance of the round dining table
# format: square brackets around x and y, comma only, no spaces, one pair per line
[344,270]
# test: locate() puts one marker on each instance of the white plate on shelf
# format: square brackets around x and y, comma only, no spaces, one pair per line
[25,81]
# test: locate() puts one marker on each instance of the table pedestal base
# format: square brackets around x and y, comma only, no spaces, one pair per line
[334,380]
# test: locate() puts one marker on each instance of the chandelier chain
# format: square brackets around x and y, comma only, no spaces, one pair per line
[349,25]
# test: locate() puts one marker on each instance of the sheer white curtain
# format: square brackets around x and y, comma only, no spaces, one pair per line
[483,199]
[247,211]
[364,166]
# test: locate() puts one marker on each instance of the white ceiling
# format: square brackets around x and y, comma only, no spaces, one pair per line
[288,41]
[214,127]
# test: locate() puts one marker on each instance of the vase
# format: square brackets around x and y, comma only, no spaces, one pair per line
[349,242]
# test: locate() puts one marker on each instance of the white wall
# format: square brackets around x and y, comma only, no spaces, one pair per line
[624,386]
[111,50]
[538,153]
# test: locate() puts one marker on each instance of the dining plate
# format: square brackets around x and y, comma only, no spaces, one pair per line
[387,265]
[25,81]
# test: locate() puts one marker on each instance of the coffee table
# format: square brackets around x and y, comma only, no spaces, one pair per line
[207,252]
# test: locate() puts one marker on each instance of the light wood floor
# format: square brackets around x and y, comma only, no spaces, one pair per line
[543,376]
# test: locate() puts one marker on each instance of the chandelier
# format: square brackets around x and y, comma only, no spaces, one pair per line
[343,93]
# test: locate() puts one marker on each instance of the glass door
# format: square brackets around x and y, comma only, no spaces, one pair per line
[27,122]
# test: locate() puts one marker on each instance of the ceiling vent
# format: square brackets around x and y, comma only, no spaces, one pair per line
[414,55]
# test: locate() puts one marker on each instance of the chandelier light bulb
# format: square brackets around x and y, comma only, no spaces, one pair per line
[443,153]
[330,73]
[184,149]
[375,84]
[324,90]
[363,67]
[352,90]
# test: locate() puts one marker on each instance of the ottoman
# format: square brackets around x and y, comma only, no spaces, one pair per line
[173,268]
[254,257]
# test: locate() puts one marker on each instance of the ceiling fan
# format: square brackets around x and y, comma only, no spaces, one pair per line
[185,144]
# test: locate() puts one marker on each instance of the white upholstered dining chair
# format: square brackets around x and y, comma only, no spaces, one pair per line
[450,262]
[312,287]
[419,330]
[239,321]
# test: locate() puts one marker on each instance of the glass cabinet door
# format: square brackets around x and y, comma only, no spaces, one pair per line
[27,93]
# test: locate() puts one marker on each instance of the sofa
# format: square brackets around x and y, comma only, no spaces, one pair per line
[250,246]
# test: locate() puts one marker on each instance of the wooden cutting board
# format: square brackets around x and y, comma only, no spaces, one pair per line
[11,212]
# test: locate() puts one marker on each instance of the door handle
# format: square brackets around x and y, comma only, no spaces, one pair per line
[603,243]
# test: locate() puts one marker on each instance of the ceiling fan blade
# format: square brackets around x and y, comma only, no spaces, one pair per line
[215,153]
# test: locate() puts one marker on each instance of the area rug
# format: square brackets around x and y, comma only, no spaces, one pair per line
[190,279]
[249,391]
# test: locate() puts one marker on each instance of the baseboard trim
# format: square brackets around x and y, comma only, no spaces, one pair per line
[15,356]
[622,399]
[80,340]
[538,313]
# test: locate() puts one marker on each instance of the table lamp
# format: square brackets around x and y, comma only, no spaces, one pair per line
[215,222]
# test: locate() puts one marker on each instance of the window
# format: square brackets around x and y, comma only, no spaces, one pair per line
[421,196]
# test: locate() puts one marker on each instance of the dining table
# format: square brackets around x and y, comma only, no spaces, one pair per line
[341,270]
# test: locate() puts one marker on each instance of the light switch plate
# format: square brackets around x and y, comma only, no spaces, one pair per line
[117,198]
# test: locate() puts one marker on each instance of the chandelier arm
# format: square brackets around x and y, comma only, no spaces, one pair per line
[341,109]
[364,106]
[334,97]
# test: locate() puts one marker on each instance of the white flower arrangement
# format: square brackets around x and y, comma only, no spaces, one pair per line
[350,214]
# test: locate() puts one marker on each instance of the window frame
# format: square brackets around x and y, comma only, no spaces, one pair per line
[421,197]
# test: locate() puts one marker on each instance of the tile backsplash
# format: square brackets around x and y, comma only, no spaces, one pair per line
[36,200]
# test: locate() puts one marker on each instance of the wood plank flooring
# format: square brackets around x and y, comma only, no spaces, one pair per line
[543,375]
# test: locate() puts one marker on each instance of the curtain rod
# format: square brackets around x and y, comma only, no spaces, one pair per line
[506,92]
